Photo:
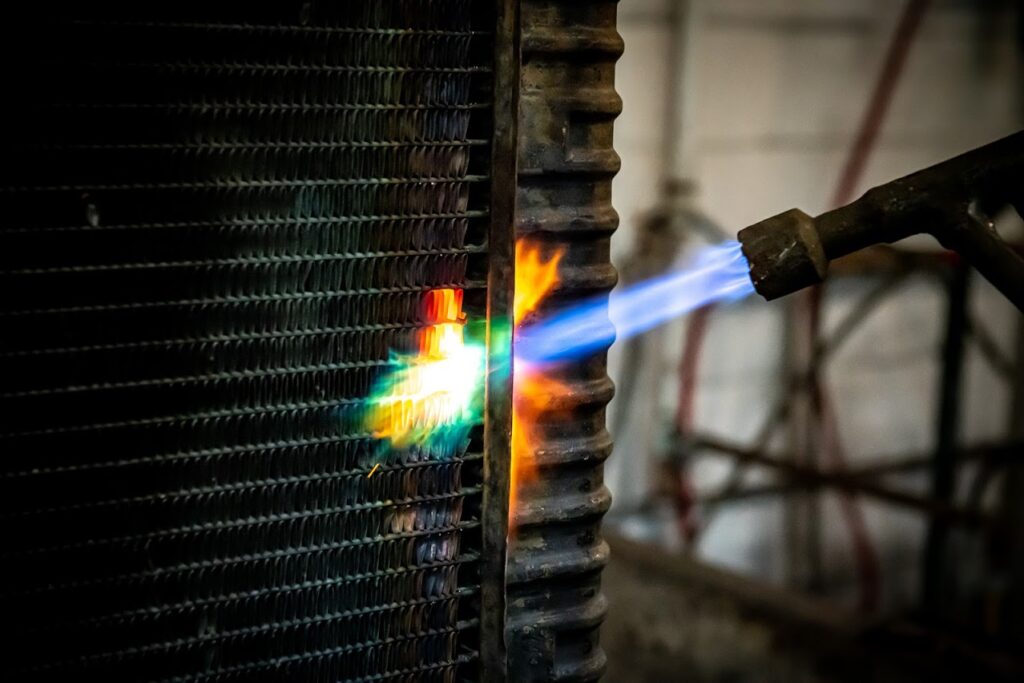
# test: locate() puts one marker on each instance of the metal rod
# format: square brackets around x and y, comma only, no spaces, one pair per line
[826,347]
[1012,504]
[989,349]
[730,494]
[976,239]
[811,477]
[993,454]
[947,431]
[500,293]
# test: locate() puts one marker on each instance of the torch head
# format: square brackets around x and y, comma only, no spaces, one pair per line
[785,254]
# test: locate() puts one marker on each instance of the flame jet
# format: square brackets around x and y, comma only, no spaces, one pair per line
[714,273]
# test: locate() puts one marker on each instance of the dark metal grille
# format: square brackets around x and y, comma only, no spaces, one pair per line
[218,219]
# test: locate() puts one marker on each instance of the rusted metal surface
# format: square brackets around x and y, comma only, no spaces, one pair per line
[953,201]
[566,164]
[500,294]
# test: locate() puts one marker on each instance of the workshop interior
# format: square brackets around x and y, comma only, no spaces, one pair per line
[512,341]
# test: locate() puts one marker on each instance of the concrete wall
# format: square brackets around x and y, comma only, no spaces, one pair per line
[758,101]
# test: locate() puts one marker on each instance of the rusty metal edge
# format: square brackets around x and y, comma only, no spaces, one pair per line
[568,104]
[500,294]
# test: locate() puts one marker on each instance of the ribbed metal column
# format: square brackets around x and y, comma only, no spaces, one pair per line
[566,165]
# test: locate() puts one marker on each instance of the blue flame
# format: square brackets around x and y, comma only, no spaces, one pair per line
[715,273]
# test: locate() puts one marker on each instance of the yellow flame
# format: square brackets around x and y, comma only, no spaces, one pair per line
[532,391]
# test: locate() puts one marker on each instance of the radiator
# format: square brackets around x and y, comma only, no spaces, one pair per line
[221,219]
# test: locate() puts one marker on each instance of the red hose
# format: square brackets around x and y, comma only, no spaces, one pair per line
[693,343]
[881,97]
[866,557]
[689,366]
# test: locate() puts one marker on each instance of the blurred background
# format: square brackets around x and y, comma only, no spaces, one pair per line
[824,488]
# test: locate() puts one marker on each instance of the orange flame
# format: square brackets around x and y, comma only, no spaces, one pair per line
[534,278]
[532,392]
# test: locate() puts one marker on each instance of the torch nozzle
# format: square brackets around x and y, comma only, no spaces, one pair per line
[785,254]
[952,201]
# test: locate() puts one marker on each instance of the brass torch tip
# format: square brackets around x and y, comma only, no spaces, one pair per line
[785,254]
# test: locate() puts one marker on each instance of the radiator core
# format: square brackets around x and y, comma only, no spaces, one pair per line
[219,220]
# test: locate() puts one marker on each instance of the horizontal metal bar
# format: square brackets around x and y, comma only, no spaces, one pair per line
[208,377]
[246,184]
[268,106]
[275,28]
[114,579]
[213,339]
[991,453]
[248,68]
[225,376]
[250,145]
[187,417]
[403,674]
[276,662]
[224,599]
[243,261]
[342,649]
[233,300]
[465,492]
[261,628]
[810,476]
[213,452]
[729,494]
[249,222]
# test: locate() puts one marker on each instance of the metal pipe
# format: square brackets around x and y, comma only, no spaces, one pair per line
[951,201]
[500,296]
[851,483]
[947,431]
[1012,504]
[990,456]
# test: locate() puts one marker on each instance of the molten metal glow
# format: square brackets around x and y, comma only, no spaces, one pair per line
[716,273]
[532,391]
[428,401]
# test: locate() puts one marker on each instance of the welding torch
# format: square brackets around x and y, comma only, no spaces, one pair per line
[954,201]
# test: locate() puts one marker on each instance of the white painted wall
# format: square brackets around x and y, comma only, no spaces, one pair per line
[772,92]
